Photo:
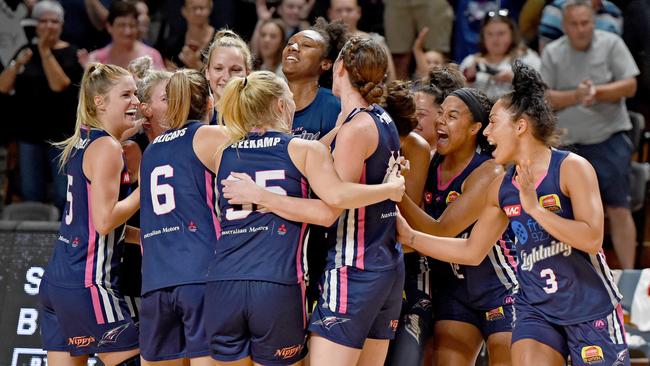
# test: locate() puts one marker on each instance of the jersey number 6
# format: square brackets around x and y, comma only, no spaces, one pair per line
[165,190]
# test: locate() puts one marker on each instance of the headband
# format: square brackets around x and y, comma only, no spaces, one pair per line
[471,101]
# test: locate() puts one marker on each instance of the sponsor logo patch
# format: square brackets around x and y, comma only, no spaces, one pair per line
[495,314]
[592,354]
[428,197]
[512,210]
[451,197]
[551,202]
[288,352]
[192,226]
[520,231]
[81,341]
[126,179]
[330,321]
[599,324]
[393,324]
[112,335]
[282,230]
[75,242]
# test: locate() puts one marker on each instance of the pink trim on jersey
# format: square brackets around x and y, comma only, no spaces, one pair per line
[90,260]
[343,291]
[209,190]
[361,226]
[303,228]
[619,313]
[506,252]
[441,186]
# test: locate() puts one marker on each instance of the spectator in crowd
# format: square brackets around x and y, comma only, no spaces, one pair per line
[425,60]
[467,23]
[608,17]
[144,21]
[490,70]
[44,77]
[590,73]
[268,55]
[122,25]
[85,23]
[636,34]
[184,49]
[228,56]
[349,12]
[292,13]
[404,19]
[529,20]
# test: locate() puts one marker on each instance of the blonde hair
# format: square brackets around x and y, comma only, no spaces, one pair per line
[146,76]
[188,93]
[228,38]
[98,79]
[249,103]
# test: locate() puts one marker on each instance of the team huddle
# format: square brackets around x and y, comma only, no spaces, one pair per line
[496,237]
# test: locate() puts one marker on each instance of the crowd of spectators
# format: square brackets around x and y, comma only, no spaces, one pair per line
[591,73]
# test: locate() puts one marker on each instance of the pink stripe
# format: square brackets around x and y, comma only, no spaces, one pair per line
[441,186]
[99,317]
[300,271]
[506,252]
[90,257]
[209,190]
[619,313]
[361,226]
[343,293]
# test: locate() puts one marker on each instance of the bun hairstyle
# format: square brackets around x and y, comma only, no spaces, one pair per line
[146,76]
[441,81]
[251,103]
[228,38]
[401,106]
[335,35]
[528,98]
[98,79]
[366,62]
[188,93]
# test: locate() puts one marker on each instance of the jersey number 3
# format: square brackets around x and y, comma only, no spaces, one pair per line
[551,282]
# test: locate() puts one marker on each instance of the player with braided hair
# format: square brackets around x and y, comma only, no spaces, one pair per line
[567,303]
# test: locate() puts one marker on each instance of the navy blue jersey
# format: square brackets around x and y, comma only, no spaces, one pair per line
[82,257]
[318,118]
[177,217]
[567,285]
[487,285]
[255,245]
[364,238]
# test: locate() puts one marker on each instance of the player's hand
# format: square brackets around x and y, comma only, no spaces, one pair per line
[527,192]
[396,179]
[240,189]
[405,233]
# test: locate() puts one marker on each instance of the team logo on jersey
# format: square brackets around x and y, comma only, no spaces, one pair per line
[329,321]
[393,324]
[451,197]
[520,231]
[592,354]
[126,179]
[620,358]
[508,300]
[75,242]
[599,324]
[288,352]
[81,341]
[551,202]
[282,230]
[112,335]
[512,210]
[495,314]
[428,197]
[192,226]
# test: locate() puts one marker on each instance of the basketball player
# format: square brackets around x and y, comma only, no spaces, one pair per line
[83,312]
[567,303]
[255,294]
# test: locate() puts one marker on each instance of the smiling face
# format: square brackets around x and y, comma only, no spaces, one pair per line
[455,127]
[427,112]
[303,56]
[154,110]
[225,63]
[501,133]
[118,108]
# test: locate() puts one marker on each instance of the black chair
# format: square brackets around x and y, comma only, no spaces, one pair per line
[30,211]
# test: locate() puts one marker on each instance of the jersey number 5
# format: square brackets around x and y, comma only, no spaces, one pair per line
[551,282]
[165,190]
[68,195]
[261,178]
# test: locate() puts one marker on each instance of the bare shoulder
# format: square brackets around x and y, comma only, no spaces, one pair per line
[415,144]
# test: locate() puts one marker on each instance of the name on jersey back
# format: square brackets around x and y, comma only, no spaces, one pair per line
[256,144]
[170,136]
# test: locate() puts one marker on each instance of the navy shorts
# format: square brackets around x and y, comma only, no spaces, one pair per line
[611,160]
[85,321]
[263,320]
[598,341]
[491,321]
[357,304]
[171,325]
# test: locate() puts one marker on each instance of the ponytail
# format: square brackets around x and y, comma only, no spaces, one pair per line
[188,93]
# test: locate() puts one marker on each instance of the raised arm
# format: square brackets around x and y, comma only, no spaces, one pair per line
[97,13]
[471,251]
[9,74]
[578,181]
[103,166]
